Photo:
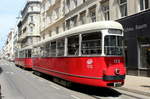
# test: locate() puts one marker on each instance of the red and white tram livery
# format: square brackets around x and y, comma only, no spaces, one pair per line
[23,58]
[90,54]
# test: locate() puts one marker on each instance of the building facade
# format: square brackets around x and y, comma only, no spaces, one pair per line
[52,18]
[28,27]
[8,51]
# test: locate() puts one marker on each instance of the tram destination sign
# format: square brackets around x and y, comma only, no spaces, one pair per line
[114,31]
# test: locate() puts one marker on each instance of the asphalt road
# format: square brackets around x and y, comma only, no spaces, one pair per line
[17,83]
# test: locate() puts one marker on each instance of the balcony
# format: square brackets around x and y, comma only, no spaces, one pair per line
[53,5]
[51,24]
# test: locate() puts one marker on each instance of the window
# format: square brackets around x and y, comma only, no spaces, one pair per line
[57,13]
[60,47]
[68,3]
[75,2]
[83,17]
[53,49]
[73,45]
[31,18]
[36,52]
[47,50]
[123,7]
[31,8]
[73,21]
[43,36]
[50,33]
[105,9]
[26,53]
[31,29]
[91,44]
[68,24]
[42,51]
[57,30]
[92,12]
[144,4]
[113,45]
[63,26]
[29,53]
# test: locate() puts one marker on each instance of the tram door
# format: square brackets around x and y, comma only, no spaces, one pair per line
[145,56]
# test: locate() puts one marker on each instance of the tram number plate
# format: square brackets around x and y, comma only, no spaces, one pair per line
[117,84]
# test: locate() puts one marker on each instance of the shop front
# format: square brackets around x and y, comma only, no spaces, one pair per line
[137,42]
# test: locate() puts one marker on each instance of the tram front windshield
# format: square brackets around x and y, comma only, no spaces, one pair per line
[113,45]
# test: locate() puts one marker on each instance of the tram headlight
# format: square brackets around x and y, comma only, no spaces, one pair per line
[117,71]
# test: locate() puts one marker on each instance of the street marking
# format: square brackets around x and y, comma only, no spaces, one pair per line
[7,72]
[75,97]
[55,87]
[11,73]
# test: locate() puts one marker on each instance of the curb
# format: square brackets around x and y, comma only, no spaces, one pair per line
[135,91]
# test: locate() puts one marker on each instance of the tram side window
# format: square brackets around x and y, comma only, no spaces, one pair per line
[16,54]
[21,54]
[60,47]
[73,45]
[37,52]
[34,52]
[91,44]
[46,50]
[29,53]
[53,49]
[26,53]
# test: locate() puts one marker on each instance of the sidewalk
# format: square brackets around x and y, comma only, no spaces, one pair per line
[137,84]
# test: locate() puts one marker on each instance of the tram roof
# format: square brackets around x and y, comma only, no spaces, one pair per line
[83,28]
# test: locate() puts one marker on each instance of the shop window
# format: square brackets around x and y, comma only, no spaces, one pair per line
[123,7]
[144,4]
[73,45]
[91,44]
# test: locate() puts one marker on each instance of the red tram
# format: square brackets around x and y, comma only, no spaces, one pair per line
[23,58]
[89,54]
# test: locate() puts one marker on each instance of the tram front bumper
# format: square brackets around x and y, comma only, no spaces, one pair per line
[112,78]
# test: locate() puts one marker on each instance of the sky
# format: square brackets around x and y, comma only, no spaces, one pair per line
[9,10]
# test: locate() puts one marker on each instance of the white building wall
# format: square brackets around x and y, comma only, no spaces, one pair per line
[52,17]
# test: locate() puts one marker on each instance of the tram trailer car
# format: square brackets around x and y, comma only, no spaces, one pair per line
[90,54]
[24,59]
